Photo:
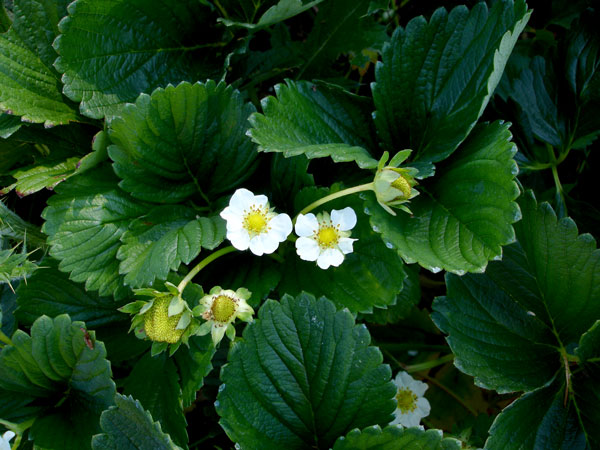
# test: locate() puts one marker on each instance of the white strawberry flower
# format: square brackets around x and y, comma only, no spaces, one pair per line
[251,223]
[325,238]
[5,440]
[411,405]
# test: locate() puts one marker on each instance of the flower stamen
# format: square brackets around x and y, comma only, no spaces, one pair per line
[223,308]
[407,400]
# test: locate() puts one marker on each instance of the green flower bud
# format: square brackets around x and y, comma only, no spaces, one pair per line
[394,186]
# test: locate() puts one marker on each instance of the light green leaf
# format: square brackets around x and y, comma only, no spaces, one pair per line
[160,241]
[154,382]
[283,10]
[62,363]
[464,215]
[303,375]
[128,426]
[15,266]
[437,77]
[371,276]
[341,26]
[395,437]
[106,65]
[50,292]
[29,85]
[194,363]
[45,175]
[538,419]
[85,222]
[315,120]
[182,142]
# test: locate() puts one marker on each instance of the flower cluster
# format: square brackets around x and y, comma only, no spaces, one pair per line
[253,224]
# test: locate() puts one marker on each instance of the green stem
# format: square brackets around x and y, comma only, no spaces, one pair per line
[429,364]
[202,264]
[4,338]
[342,193]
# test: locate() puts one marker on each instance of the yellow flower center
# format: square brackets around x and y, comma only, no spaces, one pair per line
[407,400]
[255,221]
[327,236]
[158,325]
[402,185]
[223,308]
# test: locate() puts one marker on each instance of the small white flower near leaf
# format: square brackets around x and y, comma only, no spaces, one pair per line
[324,238]
[5,440]
[220,308]
[251,223]
[411,405]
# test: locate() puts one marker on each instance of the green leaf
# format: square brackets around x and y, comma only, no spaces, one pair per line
[589,344]
[408,297]
[194,363]
[182,141]
[127,425]
[160,241]
[341,26]
[8,125]
[85,222]
[283,10]
[15,266]
[464,215]
[29,85]
[106,65]
[50,292]
[303,375]
[288,176]
[8,304]
[371,276]
[507,327]
[437,77]
[154,382]
[315,120]
[538,419]
[586,398]
[46,175]
[395,437]
[64,365]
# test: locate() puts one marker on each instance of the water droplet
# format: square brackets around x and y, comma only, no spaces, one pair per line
[376,229]
[435,269]
[531,313]
[367,211]
[389,245]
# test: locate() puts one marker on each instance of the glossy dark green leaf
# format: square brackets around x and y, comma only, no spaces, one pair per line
[85,222]
[315,120]
[395,437]
[464,215]
[194,363]
[302,375]
[437,77]
[154,382]
[29,86]
[182,142]
[63,372]
[589,344]
[8,125]
[163,239]
[127,426]
[49,291]
[105,64]
[538,419]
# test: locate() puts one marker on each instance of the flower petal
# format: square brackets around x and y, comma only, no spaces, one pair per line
[239,239]
[280,227]
[262,244]
[403,379]
[345,218]
[217,334]
[241,200]
[345,245]
[260,200]
[307,249]
[330,257]
[418,387]
[423,406]
[306,225]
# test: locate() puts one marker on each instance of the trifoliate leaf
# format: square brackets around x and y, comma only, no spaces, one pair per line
[128,426]
[194,363]
[464,215]
[283,10]
[341,26]
[106,65]
[64,365]
[154,382]
[182,142]
[539,419]
[315,120]
[160,241]
[85,222]
[437,77]
[395,437]
[302,376]
[29,85]
[50,292]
